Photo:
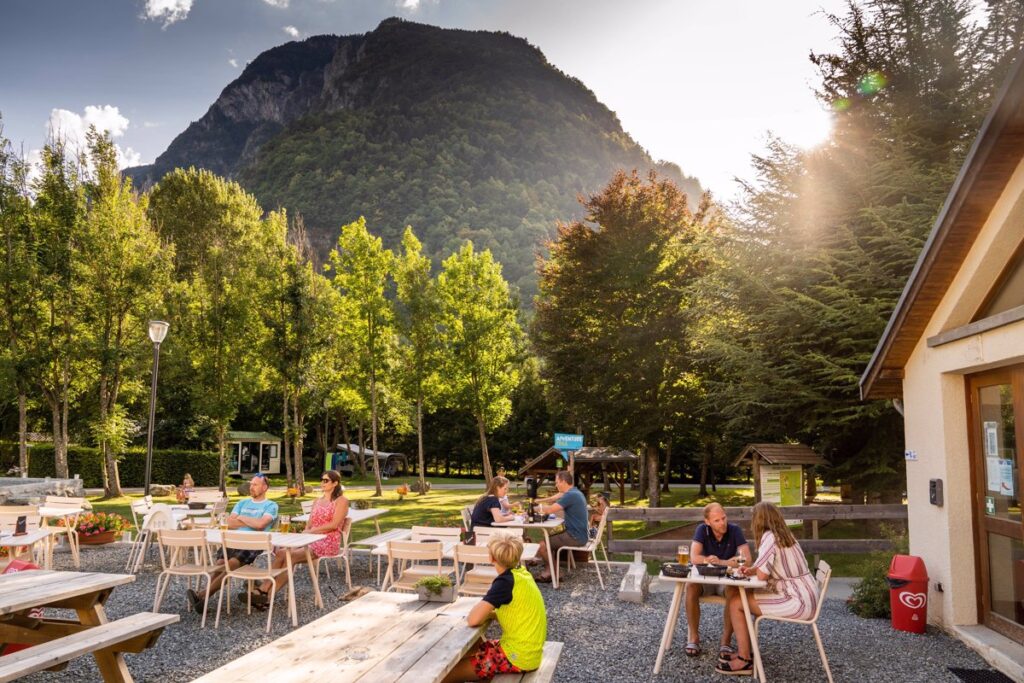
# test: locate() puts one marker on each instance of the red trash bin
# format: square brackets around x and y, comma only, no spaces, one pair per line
[908,593]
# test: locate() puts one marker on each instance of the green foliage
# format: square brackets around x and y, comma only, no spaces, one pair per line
[434,584]
[871,594]
[169,465]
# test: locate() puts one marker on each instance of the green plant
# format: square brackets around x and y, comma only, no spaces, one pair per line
[434,584]
[870,598]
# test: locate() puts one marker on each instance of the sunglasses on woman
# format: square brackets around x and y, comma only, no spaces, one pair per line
[326,480]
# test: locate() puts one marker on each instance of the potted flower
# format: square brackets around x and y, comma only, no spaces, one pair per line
[402,491]
[292,493]
[97,528]
[435,589]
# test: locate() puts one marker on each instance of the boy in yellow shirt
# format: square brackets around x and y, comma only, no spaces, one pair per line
[519,607]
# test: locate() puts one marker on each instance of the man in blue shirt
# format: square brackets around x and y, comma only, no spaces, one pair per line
[574,505]
[716,541]
[249,514]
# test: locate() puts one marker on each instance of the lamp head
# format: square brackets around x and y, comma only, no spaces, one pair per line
[157,330]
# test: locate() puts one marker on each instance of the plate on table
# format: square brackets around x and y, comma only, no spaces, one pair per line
[712,569]
[675,570]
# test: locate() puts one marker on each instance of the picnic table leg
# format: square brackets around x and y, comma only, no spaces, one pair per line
[552,559]
[112,665]
[315,576]
[670,625]
[292,609]
[754,646]
[376,523]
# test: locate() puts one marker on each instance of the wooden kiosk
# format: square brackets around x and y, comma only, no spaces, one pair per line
[775,467]
[611,464]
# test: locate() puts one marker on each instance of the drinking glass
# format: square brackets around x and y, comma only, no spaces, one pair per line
[286,524]
[683,554]
[222,521]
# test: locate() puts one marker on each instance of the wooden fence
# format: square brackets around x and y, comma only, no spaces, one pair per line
[815,514]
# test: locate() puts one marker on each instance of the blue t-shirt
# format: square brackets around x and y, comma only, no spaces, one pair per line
[482,515]
[724,549]
[576,523]
[248,507]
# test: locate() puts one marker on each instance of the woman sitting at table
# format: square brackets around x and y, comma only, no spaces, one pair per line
[487,510]
[186,488]
[791,593]
[328,517]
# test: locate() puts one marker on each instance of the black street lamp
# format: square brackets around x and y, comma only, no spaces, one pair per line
[157,332]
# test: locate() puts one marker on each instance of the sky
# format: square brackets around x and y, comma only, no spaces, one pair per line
[700,83]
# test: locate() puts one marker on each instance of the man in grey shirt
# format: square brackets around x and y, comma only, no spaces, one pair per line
[574,505]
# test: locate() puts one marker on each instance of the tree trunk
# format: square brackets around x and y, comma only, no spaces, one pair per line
[361,458]
[298,428]
[483,448]
[287,445]
[641,468]
[705,459]
[419,445]
[23,433]
[111,478]
[668,466]
[373,433]
[222,474]
[60,453]
[654,493]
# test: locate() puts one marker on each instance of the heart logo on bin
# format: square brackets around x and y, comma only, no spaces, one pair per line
[913,600]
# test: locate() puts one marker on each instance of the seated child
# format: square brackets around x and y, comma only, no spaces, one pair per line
[519,606]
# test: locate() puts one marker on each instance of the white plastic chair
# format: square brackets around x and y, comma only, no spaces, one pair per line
[250,573]
[475,581]
[821,577]
[412,551]
[591,547]
[342,556]
[178,545]
[68,525]
[159,517]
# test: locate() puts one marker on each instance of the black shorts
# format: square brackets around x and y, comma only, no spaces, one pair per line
[244,557]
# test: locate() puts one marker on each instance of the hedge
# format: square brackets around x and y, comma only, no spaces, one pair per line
[169,466]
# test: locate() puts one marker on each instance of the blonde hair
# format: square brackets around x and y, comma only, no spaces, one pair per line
[711,506]
[492,488]
[506,550]
[188,481]
[766,517]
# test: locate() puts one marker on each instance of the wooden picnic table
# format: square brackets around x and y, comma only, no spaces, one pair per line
[290,542]
[547,526]
[85,593]
[378,638]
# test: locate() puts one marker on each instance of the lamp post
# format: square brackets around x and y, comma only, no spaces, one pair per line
[157,332]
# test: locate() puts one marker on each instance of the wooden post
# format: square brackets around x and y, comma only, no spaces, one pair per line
[814,535]
[757,478]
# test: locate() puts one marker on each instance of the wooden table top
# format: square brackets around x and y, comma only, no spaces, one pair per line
[39,587]
[379,638]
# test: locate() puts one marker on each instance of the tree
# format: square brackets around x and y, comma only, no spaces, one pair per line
[361,269]
[121,273]
[214,304]
[19,313]
[483,339]
[418,311]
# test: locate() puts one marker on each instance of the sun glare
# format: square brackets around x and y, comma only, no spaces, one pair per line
[807,128]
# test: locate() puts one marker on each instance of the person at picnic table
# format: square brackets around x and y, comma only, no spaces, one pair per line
[186,488]
[517,603]
[791,591]
[573,505]
[256,513]
[715,541]
[327,517]
[488,508]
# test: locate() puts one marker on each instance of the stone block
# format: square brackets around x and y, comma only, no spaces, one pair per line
[19,491]
[635,583]
[161,490]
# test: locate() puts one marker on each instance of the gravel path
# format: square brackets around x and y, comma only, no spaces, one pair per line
[606,640]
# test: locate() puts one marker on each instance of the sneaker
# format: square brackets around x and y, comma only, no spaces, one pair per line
[195,601]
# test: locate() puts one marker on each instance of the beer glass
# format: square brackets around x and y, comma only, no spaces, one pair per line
[683,554]
[286,524]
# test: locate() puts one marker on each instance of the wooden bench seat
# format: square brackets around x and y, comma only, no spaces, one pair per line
[546,672]
[131,634]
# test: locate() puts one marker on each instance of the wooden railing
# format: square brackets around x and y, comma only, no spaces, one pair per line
[741,515]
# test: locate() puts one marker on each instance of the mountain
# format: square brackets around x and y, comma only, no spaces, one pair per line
[461,134]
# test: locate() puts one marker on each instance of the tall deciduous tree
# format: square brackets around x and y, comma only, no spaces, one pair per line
[483,340]
[121,272]
[419,312]
[216,326]
[362,267]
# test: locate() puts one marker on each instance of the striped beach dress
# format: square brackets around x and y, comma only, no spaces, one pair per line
[792,592]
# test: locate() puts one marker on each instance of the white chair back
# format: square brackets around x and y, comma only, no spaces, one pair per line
[431,533]
[307,506]
[484,534]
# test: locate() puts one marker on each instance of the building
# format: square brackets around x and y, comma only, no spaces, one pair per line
[344,457]
[610,465]
[952,360]
[252,452]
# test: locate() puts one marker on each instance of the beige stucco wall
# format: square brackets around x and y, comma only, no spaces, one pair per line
[935,410]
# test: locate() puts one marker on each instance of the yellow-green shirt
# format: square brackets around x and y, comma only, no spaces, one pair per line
[519,607]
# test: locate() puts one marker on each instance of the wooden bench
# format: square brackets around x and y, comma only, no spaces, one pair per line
[131,634]
[546,672]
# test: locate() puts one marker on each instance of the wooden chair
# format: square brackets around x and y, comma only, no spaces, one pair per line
[475,581]
[68,524]
[342,556]
[413,551]
[178,545]
[250,573]
[821,577]
[591,547]
[9,515]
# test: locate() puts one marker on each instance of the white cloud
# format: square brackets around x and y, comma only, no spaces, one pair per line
[168,11]
[409,4]
[233,62]
[281,4]
[291,30]
[72,127]
[151,124]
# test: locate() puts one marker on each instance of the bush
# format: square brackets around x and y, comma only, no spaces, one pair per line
[870,598]
[169,466]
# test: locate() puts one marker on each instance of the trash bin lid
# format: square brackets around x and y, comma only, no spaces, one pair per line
[908,567]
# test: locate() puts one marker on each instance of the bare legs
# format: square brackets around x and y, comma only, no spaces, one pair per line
[464,670]
[735,610]
[693,594]
[298,556]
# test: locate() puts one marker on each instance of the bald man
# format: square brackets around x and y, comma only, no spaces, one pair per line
[716,541]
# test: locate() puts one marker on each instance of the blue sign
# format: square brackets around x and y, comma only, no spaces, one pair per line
[568,442]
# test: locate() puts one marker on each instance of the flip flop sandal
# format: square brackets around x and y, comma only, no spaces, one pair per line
[726,650]
[746,670]
[692,649]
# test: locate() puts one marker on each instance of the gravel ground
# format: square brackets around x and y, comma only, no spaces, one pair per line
[606,640]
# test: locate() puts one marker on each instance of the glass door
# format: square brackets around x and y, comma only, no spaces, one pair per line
[997,416]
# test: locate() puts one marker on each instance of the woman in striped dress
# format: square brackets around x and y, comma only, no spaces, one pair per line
[792,592]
